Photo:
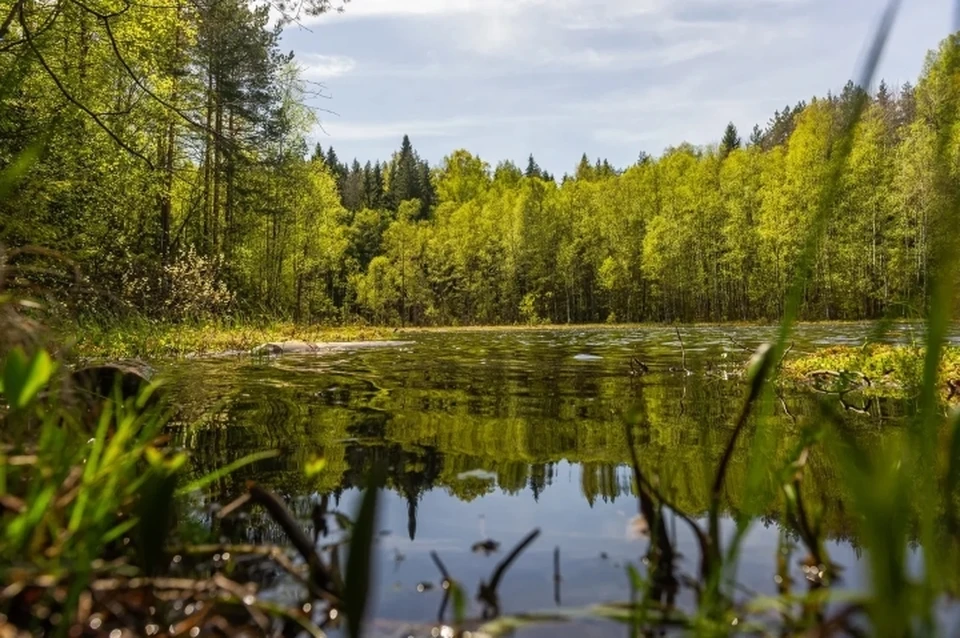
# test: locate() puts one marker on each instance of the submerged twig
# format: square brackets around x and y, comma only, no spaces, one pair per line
[645,508]
[556,575]
[488,590]
[784,356]
[683,353]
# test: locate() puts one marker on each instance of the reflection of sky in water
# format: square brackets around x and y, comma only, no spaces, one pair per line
[594,548]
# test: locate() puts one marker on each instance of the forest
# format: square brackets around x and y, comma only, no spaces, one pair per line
[166,167]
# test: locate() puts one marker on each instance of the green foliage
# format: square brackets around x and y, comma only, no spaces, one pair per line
[227,212]
[80,493]
[23,378]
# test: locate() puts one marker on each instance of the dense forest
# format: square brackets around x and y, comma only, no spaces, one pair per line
[163,149]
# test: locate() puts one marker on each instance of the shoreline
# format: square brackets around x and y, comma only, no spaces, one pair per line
[163,341]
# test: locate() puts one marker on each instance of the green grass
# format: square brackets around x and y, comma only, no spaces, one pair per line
[150,340]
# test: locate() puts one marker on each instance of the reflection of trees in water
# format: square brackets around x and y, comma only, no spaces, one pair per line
[432,428]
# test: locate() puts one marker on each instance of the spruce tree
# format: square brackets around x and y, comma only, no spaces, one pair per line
[376,195]
[730,141]
[338,170]
[405,175]
[533,169]
[756,136]
[368,185]
[425,190]
[353,192]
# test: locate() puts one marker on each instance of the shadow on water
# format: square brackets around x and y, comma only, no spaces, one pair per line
[486,435]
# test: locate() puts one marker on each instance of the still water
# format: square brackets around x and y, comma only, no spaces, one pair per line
[491,433]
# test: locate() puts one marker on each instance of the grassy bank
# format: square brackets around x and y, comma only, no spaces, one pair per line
[149,340]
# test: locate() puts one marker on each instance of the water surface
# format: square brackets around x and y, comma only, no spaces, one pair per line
[491,433]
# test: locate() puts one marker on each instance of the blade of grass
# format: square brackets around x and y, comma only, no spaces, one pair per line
[216,475]
[757,491]
[943,275]
[360,558]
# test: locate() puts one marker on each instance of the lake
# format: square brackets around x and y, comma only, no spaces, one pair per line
[492,433]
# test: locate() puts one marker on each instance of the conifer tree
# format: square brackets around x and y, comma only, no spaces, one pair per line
[730,141]
[405,175]
[353,193]
[533,169]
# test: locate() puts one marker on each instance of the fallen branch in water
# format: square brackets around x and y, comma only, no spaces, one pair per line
[319,573]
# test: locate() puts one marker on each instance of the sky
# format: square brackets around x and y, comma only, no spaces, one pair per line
[609,78]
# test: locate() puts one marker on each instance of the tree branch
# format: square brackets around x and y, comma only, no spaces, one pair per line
[14,10]
[63,89]
[143,87]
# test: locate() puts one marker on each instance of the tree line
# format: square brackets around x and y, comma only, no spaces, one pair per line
[163,149]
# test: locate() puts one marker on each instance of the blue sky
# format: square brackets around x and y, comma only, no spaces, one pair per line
[504,78]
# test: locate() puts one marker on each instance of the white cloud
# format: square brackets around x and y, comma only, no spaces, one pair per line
[560,77]
[413,8]
[337,130]
[317,66]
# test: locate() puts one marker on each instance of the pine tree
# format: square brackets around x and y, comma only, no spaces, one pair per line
[730,141]
[756,136]
[317,153]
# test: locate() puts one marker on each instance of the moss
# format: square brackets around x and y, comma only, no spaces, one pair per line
[890,369]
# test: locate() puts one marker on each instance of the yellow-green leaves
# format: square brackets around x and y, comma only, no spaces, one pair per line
[314,466]
[24,377]
[163,462]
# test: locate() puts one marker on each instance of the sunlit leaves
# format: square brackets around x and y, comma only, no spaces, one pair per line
[24,377]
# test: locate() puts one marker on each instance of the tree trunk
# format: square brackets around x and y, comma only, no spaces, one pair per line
[217,159]
[228,225]
[207,159]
